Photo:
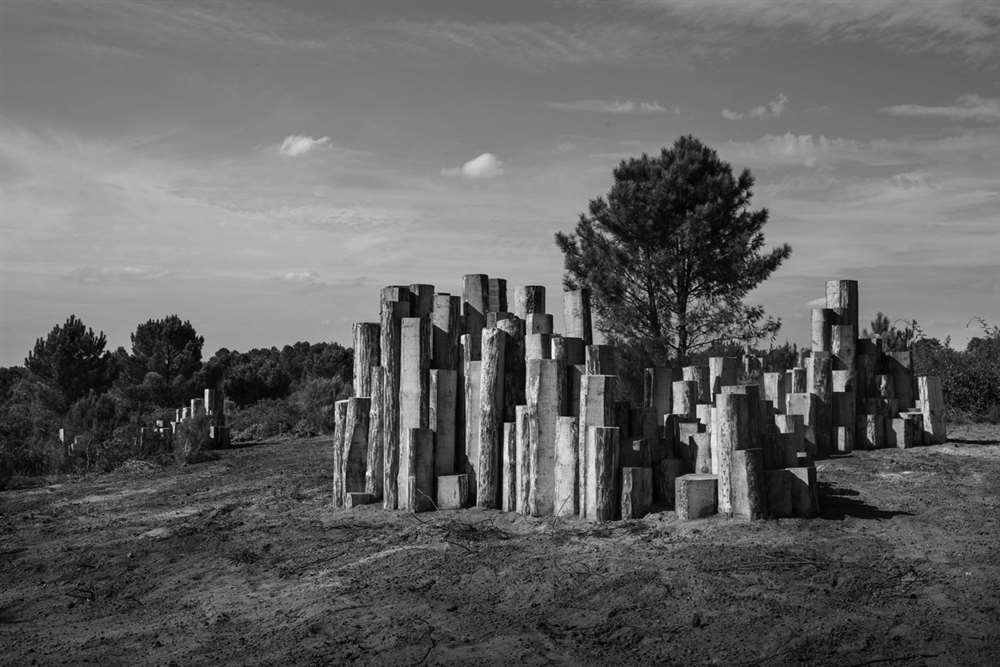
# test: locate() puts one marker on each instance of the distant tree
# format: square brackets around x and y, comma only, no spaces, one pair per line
[671,253]
[894,339]
[72,358]
[169,347]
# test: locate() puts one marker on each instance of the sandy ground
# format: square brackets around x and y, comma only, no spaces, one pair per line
[243,561]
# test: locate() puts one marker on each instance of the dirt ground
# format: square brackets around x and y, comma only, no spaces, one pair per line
[243,561]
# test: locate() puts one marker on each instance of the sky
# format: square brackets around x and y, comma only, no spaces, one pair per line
[263,168]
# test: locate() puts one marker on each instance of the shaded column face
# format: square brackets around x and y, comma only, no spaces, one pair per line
[475,304]
[497,295]
[528,300]
[576,313]
[842,297]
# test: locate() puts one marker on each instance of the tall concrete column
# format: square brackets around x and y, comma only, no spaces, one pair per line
[392,314]
[491,404]
[843,347]
[597,401]
[819,382]
[539,346]
[544,396]
[699,374]
[416,470]
[685,395]
[497,302]
[421,300]
[475,305]
[566,466]
[601,360]
[722,372]
[576,312]
[733,429]
[603,495]
[508,474]
[514,366]
[842,296]
[529,299]
[446,322]
[900,366]
[414,378]
[339,438]
[822,320]
[932,407]
[367,346]
[470,459]
[657,390]
[355,457]
[748,491]
[774,391]
[796,380]
[443,391]
[374,470]
[523,423]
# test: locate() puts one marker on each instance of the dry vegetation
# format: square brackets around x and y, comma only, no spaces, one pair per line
[242,560]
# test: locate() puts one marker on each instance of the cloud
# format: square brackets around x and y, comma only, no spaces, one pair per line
[302,281]
[966,107]
[612,106]
[93,275]
[792,149]
[295,145]
[771,109]
[482,167]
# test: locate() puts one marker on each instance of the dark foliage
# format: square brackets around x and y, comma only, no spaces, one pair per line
[72,359]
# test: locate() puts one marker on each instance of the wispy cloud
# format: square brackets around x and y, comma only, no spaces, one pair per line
[302,281]
[966,107]
[481,167]
[612,106]
[967,27]
[295,145]
[105,274]
[771,109]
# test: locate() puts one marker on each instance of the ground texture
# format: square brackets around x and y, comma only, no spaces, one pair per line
[243,561]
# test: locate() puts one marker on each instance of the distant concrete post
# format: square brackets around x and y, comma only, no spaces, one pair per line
[367,353]
[576,311]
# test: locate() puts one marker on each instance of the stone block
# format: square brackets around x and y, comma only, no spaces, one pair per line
[357,498]
[453,492]
[637,492]
[695,496]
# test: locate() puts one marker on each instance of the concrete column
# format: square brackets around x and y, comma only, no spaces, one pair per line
[656,390]
[722,371]
[544,396]
[843,347]
[522,461]
[540,323]
[538,346]
[685,395]
[932,407]
[791,439]
[529,299]
[637,492]
[576,311]
[355,457]
[414,378]
[566,465]
[842,381]
[392,314]
[491,408]
[796,380]
[394,293]
[872,430]
[774,390]
[806,405]
[367,342]
[822,320]
[209,401]
[416,492]
[696,496]
[339,438]
[374,470]
[844,421]
[699,374]
[495,317]
[734,435]
[602,484]
[470,460]
[497,295]
[475,304]
[819,382]
[453,492]
[842,296]
[443,392]
[597,396]
[446,327]
[748,492]
[508,475]
[900,366]
[421,300]
[601,360]
[514,366]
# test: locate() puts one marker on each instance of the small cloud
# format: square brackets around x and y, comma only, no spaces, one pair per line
[966,107]
[771,109]
[484,166]
[93,275]
[302,281]
[611,106]
[295,145]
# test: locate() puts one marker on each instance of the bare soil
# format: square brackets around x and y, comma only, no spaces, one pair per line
[243,561]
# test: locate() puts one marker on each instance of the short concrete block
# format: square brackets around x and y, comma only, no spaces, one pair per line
[356,498]
[637,492]
[453,492]
[665,480]
[696,496]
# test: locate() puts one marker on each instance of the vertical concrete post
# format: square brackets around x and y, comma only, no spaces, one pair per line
[421,300]
[797,378]
[508,475]
[522,426]
[566,466]
[470,460]
[374,470]
[443,391]
[601,360]
[544,395]
[685,394]
[540,323]
[475,304]
[843,341]
[748,492]
[842,381]
[932,407]
[637,492]
[722,372]
[900,365]
[514,366]
[497,302]
[538,346]
[819,382]
[699,374]
[597,401]
[367,337]
[602,494]
[774,390]
[656,390]
[733,428]
[209,402]
[844,421]
[392,314]
[576,312]
[417,488]
[414,378]
[355,457]
[491,404]
[842,296]
[446,328]
[529,299]
[822,320]
[806,405]
[339,438]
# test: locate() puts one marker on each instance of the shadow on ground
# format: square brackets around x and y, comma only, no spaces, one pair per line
[839,503]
